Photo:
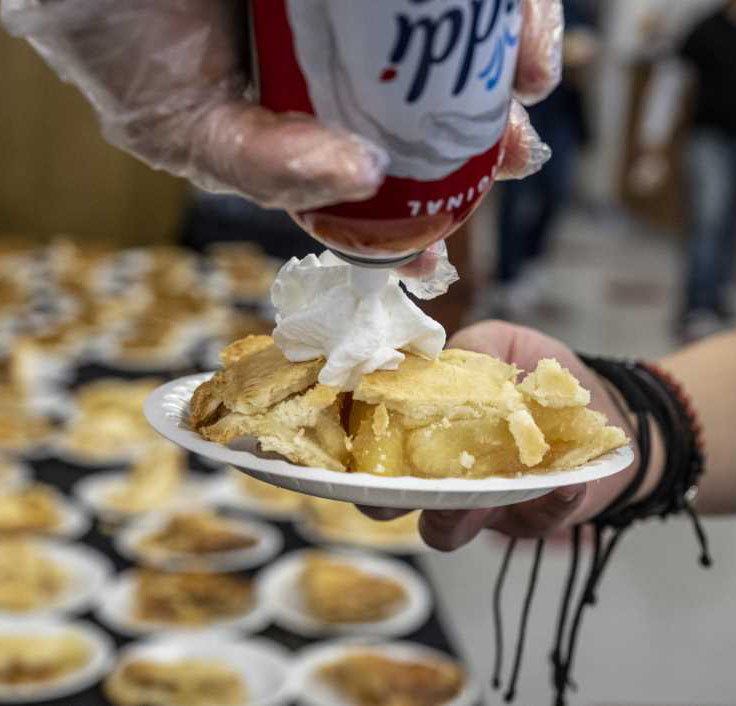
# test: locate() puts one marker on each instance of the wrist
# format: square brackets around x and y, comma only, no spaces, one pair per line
[660,405]
[656,461]
[656,464]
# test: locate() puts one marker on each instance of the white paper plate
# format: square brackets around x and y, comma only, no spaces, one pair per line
[31,450]
[227,493]
[115,610]
[263,666]
[167,409]
[269,544]
[281,585]
[313,533]
[93,490]
[101,660]
[312,691]
[73,520]
[210,355]
[86,572]
[53,403]
[178,356]
[73,457]
[18,474]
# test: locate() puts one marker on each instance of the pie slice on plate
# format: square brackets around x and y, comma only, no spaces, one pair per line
[464,415]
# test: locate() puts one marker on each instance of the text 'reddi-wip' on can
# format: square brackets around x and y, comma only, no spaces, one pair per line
[428,80]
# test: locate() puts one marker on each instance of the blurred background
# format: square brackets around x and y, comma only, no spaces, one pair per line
[623,245]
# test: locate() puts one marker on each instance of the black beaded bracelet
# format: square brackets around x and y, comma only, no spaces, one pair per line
[650,394]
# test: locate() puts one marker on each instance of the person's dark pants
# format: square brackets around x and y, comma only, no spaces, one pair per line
[529,207]
[711,175]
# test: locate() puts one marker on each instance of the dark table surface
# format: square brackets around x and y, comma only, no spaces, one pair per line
[63,476]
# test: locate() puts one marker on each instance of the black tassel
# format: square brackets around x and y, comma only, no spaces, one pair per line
[497,617]
[511,692]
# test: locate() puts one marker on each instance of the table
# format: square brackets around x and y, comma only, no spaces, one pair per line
[63,476]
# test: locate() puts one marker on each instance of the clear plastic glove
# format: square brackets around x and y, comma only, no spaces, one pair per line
[539,69]
[168,84]
[524,152]
[167,81]
[430,275]
[538,73]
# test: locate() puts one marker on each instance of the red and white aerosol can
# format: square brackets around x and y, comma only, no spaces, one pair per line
[428,80]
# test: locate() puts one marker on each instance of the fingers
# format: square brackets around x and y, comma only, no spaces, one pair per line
[495,338]
[524,153]
[423,266]
[539,68]
[449,530]
[382,514]
[430,275]
[287,161]
[538,73]
[541,517]
[520,345]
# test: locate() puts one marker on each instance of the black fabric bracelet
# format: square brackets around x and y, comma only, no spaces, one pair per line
[652,395]
[663,399]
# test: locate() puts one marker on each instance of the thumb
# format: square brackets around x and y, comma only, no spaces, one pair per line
[288,161]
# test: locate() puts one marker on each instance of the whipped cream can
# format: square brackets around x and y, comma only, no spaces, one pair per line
[428,80]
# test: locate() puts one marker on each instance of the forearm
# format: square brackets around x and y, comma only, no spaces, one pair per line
[707,372]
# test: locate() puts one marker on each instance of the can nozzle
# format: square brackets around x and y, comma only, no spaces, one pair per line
[376,263]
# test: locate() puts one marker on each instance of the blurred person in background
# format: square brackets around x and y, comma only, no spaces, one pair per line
[706,60]
[529,209]
[216,218]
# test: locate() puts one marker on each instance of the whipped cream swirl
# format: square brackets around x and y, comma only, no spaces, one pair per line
[359,320]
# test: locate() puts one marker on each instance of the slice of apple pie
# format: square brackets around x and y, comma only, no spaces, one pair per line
[336,591]
[260,393]
[373,679]
[462,415]
[186,682]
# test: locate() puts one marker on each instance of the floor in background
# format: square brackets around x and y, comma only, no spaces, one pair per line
[664,631]
[608,285]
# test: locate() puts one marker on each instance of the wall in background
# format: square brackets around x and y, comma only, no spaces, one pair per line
[56,172]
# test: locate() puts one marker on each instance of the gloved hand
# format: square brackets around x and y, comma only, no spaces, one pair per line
[168,84]
[559,509]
